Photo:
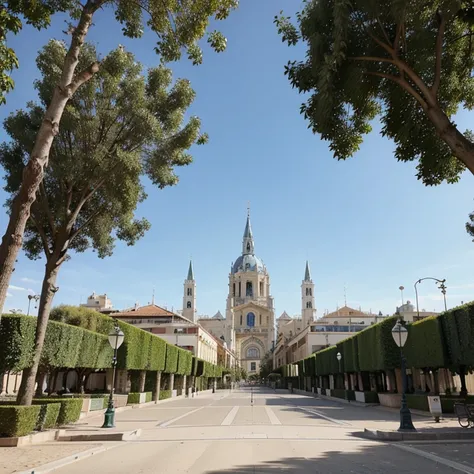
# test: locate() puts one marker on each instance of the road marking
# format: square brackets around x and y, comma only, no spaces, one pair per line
[271,415]
[452,464]
[315,412]
[169,422]
[230,417]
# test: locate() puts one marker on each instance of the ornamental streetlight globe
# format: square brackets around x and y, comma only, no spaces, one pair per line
[399,334]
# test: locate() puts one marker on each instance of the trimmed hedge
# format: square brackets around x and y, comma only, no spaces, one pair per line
[417,402]
[349,349]
[18,420]
[61,345]
[164,394]
[447,403]
[379,349]
[371,397]
[70,410]
[17,333]
[133,398]
[95,352]
[326,361]
[425,347]
[185,362]
[171,364]
[148,397]
[157,354]
[48,416]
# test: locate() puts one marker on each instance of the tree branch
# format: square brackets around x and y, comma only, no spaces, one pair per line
[43,236]
[82,77]
[86,223]
[401,82]
[439,53]
[373,59]
[44,200]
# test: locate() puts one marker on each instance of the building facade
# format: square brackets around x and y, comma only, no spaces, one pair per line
[248,327]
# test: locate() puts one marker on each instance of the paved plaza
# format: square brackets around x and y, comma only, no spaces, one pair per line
[257,430]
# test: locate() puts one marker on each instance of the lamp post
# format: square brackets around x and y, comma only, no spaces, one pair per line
[400,336]
[401,288]
[116,337]
[339,358]
[442,287]
[32,297]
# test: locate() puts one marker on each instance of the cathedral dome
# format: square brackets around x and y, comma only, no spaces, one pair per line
[248,263]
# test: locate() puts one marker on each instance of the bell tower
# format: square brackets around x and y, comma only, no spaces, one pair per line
[189,297]
[308,310]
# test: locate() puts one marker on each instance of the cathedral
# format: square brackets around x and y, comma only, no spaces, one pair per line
[248,327]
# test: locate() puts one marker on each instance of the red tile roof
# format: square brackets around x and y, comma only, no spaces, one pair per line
[151,310]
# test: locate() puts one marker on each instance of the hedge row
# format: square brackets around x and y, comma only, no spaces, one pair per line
[69,345]
[444,341]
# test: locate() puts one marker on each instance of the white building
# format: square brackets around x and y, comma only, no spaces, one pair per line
[98,302]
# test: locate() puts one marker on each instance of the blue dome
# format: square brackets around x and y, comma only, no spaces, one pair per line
[248,263]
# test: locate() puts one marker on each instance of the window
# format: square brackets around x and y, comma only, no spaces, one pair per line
[260,320]
[190,292]
[250,319]
[309,305]
[241,320]
[261,288]
[233,290]
[253,366]
[253,353]
[188,304]
[248,289]
[240,293]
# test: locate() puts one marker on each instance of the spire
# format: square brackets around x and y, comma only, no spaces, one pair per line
[307,273]
[153,297]
[190,271]
[247,244]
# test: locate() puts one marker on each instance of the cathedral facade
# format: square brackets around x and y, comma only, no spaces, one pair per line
[248,327]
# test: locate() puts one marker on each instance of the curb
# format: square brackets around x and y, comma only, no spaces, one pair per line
[415,436]
[52,466]
[115,436]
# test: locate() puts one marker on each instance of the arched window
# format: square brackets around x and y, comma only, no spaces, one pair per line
[233,290]
[307,291]
[188,305]
[253,353]
[190,292]
[309,305]
[241,320]
[310,291]
[250,319]
[248,289]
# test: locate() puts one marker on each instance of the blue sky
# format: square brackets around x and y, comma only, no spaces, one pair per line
[365,224]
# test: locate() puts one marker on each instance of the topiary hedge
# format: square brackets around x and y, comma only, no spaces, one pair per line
[48,416]
[133,398]
[69,412]
[425,346]
[95,351]
[349,351]
[326,361]
[171,364]
[157,354]
[164,394]
[185,362]
[18,420]
[377,349]
[417,402]
[17,333]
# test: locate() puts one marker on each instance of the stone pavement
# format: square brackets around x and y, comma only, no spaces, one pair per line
[260,431]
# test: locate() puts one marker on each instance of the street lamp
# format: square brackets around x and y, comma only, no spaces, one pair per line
[339,358]
[400,336]
[116,337]
[401,288]
[32,297]
[442,287]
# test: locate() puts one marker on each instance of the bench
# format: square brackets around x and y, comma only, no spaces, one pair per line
[465,414]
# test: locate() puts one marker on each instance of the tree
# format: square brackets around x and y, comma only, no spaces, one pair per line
[266,365]
[409,61]
[117,128]
[178,25]
[37,14]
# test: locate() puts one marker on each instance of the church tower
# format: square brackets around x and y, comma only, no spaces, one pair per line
[308,310]
[250,311]
[189,298]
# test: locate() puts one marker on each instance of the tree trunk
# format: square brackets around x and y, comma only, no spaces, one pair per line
[33,172]
[462,376]
[141,381]
[27,387]
[462,148]
[40,382]
[156,392]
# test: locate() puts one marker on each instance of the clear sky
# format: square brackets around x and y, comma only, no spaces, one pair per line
[366,224]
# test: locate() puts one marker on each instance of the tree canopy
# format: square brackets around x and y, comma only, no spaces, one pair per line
[12,15]
[408,61]
[117,128]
